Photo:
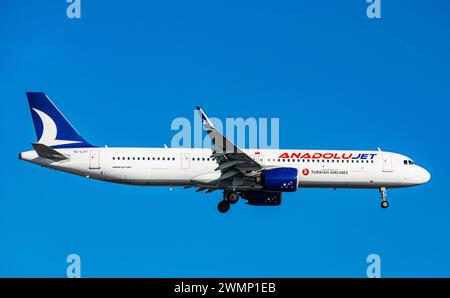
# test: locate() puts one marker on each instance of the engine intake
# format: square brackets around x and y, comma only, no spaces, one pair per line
[280,179]
[262,198]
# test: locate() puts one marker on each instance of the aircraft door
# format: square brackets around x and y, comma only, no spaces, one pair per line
[185,161]
[387,162]
[94,159]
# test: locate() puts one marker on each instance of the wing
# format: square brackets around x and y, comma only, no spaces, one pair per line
[238,170]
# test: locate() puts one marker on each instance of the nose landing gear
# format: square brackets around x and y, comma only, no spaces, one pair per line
[229,197]
[384,202]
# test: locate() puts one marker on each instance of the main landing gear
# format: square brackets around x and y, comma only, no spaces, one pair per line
[384,203]
[223,206]
[229,197]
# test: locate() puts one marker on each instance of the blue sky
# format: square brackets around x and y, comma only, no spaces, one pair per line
[123,72]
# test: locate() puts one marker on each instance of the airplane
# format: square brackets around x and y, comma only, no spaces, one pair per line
[259,176]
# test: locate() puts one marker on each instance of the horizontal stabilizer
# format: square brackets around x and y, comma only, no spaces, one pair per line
[47,152]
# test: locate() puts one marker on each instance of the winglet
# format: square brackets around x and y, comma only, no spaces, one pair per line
[207,124]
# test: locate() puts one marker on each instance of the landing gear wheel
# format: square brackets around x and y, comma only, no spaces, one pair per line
[384,203]
[223,206]
[233,197]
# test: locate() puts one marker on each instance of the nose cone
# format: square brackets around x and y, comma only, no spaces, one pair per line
[424,176]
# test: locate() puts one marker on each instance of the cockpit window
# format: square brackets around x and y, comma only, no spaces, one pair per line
[410,162]
[405,162]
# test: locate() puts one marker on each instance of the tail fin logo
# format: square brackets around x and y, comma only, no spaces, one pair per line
[50,131]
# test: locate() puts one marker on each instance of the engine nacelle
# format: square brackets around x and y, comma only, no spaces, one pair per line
[280,179]
[262,198]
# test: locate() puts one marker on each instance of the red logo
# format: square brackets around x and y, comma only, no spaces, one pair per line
[305,172]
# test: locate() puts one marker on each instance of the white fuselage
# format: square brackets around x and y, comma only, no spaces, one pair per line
[194,167]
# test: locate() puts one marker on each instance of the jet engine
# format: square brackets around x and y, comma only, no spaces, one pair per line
[279,179]
[262,198]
